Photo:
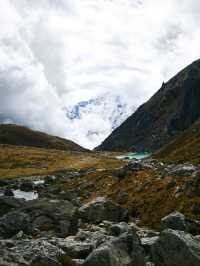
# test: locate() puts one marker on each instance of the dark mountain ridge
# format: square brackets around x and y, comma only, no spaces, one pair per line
[12,134]
[174,108]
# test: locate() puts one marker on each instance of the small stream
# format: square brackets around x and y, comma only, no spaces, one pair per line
[19,194]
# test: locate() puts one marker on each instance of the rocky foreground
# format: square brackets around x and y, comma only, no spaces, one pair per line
[58,228]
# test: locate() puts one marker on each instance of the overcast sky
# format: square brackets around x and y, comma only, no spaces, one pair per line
[55,53]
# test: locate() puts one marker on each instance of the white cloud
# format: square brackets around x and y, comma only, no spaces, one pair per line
[56,53]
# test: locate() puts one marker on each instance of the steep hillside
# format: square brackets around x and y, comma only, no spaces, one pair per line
[174,108]
[21,136]
[185,147]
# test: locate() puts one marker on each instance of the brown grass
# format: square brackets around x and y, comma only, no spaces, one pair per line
[185,147]
[26,161]
[148,197]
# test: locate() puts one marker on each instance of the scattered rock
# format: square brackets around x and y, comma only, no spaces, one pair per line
[176,248]
[178,221]
[122,251]
[74,248]
[134,165]
[118,229]
[30,252]
[147,243]
[8,192]
[14,222]
[180,170]
[94,236]
[4,182]
[27,186]
[102,209]
[58,216]
[10,203]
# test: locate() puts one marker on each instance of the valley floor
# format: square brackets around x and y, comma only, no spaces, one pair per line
[18,161]
[89,206]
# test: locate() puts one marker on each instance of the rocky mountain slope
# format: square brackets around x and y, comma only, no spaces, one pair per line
[185,147]
[22,136]
[174,108]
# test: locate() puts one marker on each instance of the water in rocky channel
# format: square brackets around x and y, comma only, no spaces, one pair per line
[19,194]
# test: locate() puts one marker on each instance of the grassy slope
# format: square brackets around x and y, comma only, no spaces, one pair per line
[16,161]
[185,147]
[146,196]
[21,136]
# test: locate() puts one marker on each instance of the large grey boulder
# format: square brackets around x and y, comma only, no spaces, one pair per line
[14,222]
[125,250]
[8,192]
[8,204]
[176,248]
[177,221]
[102,209]
[83,243]
[135,166]
[119,228]
[27,186]
[57,216]
[180,170]
[73,247]
[30,252]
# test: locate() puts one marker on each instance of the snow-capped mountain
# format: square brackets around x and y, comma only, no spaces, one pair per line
[99,116]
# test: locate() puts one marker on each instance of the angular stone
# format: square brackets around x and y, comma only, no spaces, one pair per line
[124,250]
[102,209]
[176,248]
[177,221]
[14,222]
[59,216]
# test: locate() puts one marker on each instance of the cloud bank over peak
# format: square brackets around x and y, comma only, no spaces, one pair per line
[56,54]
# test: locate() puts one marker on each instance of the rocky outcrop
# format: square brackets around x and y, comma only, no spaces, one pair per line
[125,250]
[8,192]
[9,203]
[177,221]
[176,248]
[57,216]
[102,209]
[174,108]
[176,170]
[30,252]
[27,186]
[14,222]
